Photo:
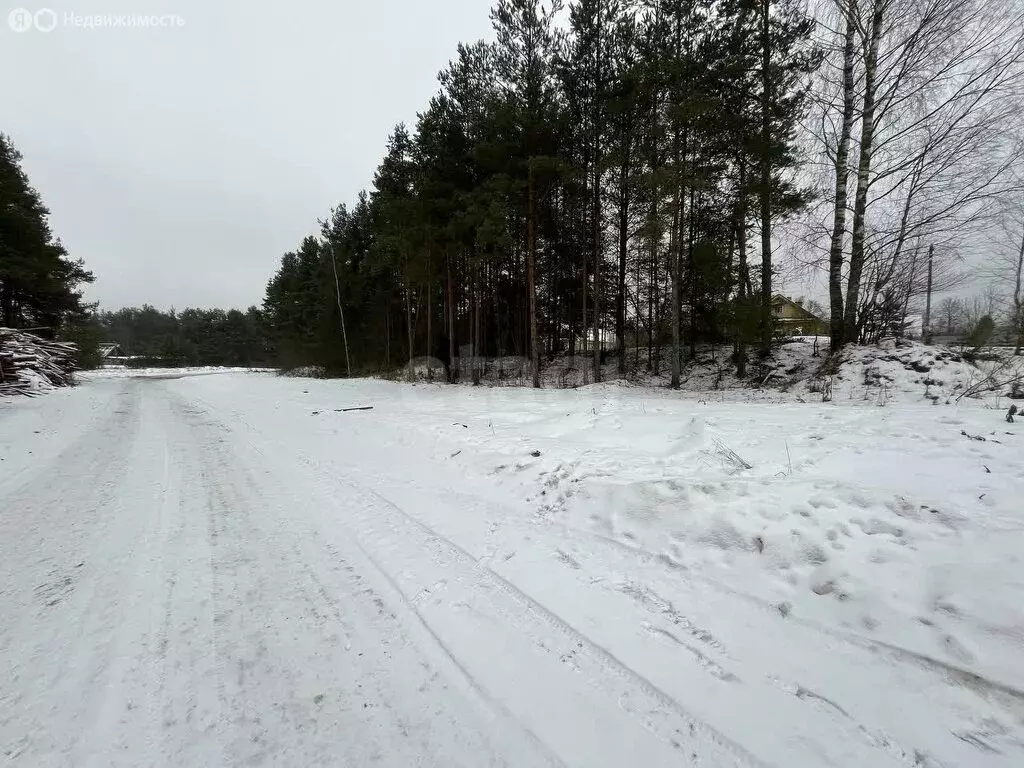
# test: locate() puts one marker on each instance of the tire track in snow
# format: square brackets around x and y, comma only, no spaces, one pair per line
[496,706]
[265,559]
[410,604]
[673,733]
[655,710]
[974,680]
[876,738]
[40,531]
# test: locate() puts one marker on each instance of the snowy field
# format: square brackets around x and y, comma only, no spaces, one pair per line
[230,570]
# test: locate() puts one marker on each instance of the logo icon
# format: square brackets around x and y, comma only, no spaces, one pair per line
[45,20]
[20,20]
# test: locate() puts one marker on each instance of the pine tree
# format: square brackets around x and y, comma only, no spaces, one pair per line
[39,281]
[527,41]
[786,58]
[625,104]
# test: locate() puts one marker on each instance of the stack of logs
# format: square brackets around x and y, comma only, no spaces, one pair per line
[30,364]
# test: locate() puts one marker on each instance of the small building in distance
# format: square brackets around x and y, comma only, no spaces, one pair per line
[110,349]
[793,319]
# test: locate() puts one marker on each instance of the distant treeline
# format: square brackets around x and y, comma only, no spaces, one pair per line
[191,337]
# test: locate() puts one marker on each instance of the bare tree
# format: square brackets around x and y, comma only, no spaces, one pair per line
[841,164]
[985,303]
[950,311]
[936,86]
[1005,265]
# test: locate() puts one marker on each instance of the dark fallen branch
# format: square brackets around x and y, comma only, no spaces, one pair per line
[354,408]
[979,438]
[1006,374]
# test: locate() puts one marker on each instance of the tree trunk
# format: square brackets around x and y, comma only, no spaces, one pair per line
[453,375]
[744,295]
[531,275]
[652,286]
[691,266]
[676,240]
[857,252]
[743,272]
[620,291]
[910,287]
[596,117]
[408,317]
[597,270]
[656,275]
[842,168]
[597,265]
[597,320]
[927,329]
[766,179]
[478,348]
[636,331]
[430,312]
[1018,308]
[571,312]
[584,330]
[474,341]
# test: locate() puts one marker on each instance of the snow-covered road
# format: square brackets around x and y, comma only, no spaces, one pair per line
[226,571]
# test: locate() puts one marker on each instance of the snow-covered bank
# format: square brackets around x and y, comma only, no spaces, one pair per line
[798,370]
[505,576]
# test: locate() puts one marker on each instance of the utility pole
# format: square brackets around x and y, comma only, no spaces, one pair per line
[926,332]
[341,312]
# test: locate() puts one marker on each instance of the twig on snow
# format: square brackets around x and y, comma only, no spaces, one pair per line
[730,459]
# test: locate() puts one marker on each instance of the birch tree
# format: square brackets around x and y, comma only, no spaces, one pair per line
[922,110]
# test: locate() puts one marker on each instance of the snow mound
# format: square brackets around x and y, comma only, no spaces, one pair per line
[427,369]
[891,523]
[799,369]
[908,369]
[306,372]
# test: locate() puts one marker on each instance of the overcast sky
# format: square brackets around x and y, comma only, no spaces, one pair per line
[181,162]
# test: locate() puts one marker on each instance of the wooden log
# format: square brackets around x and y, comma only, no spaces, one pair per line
[27,359]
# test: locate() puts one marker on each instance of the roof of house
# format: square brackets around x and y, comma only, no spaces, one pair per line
[778,298]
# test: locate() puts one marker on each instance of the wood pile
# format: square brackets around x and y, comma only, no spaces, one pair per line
[30,364]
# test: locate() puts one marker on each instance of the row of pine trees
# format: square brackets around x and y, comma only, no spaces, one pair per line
[608,174]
